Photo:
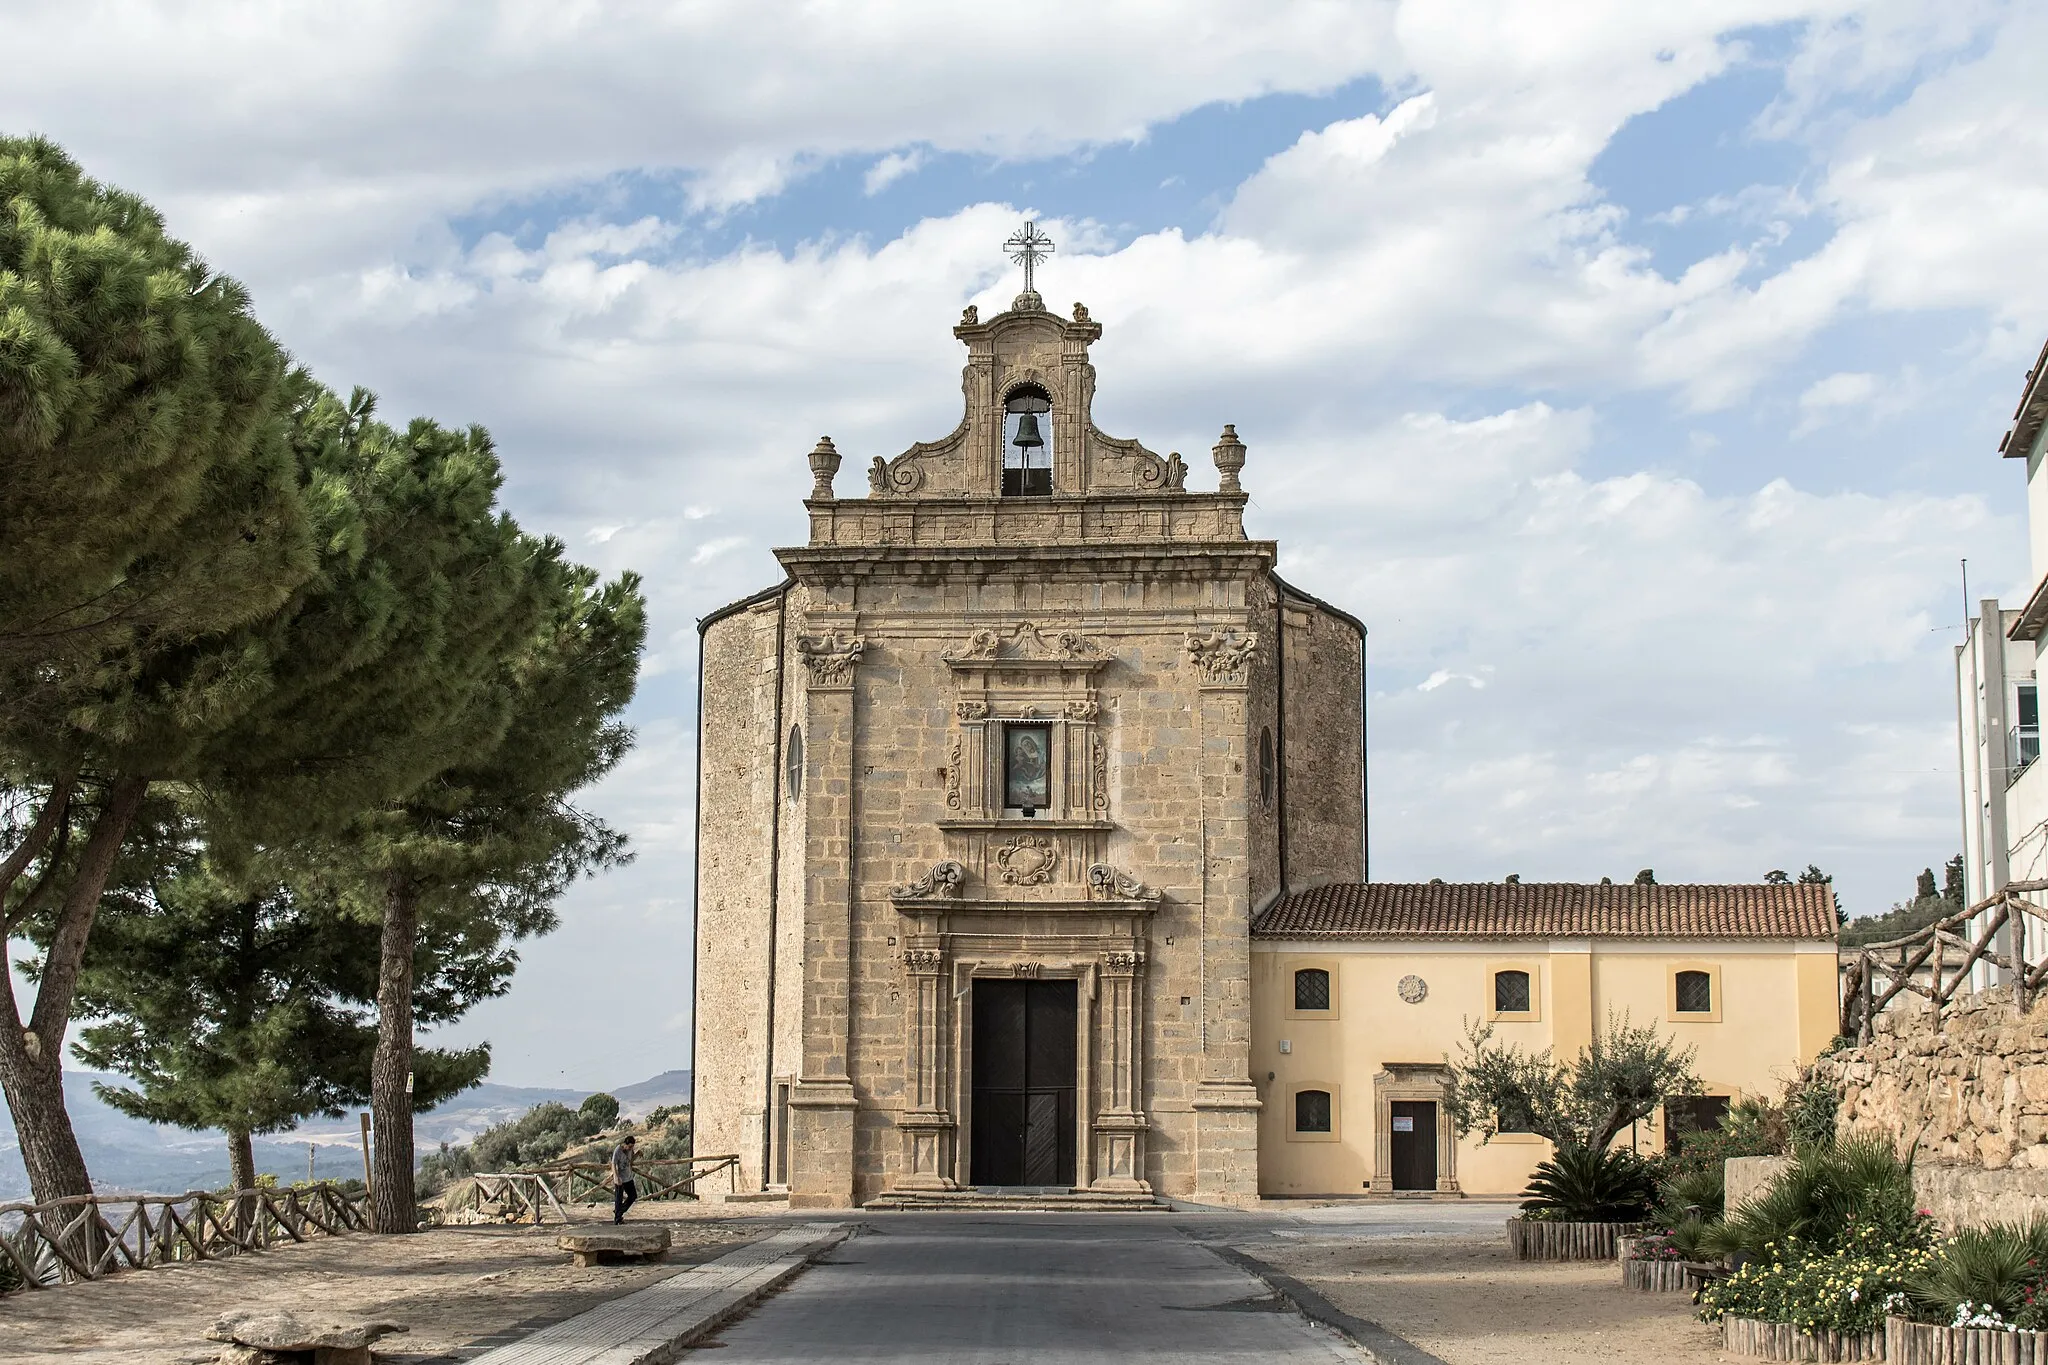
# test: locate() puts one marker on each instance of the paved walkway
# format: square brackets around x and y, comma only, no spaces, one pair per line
[1051,1289]
[657,1323]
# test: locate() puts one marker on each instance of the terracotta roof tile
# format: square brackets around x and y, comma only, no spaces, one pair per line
[1550,910]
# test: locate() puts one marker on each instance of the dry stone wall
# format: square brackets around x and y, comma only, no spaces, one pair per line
[1969,1097]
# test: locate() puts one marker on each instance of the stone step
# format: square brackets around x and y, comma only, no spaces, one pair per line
[1016,1201]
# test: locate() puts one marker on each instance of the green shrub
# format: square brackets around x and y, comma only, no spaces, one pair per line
[1690,1194]
[1988,1276]
[1580,1185]
[600,1111]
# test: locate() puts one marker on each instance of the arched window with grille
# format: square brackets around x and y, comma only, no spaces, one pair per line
[1311,989]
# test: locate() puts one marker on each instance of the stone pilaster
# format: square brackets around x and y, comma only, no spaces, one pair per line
[823,1103]
[930,1134]
[1226,1102]
[1120,1122]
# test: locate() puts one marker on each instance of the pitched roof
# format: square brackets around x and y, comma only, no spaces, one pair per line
[1550,910]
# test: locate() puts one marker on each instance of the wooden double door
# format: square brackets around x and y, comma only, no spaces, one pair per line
[1413,1145]
[1023,1083]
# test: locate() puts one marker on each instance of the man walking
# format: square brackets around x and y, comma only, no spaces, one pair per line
[624,1191]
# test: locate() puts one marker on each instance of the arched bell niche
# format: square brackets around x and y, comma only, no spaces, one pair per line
[1027,442]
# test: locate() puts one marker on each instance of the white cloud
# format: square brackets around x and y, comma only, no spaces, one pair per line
[891,169]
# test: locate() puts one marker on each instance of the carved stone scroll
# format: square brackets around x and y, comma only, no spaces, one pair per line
[1027,860]
[1106,883]
[941,881]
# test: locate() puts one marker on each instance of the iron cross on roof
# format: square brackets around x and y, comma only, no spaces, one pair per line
[1027,248]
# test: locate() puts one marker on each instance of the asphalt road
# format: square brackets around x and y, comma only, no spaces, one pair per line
[1049,1289]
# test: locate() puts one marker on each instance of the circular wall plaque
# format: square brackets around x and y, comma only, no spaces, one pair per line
[1413,989]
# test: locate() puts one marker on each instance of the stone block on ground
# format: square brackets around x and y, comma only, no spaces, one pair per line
[277,1337]
[615,1244]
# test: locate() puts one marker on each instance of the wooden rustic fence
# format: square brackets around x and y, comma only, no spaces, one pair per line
[1783,1341]
[1915,1343]
[1546,1241]
[590,1182]
[1935,962]
[87,1237]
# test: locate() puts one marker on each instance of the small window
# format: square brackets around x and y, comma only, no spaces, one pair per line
[1694,1114]
[1266,768]
[1027,444]
[1511,992]
[1695,993]
[2026,730]
[1027,767]
[1312,989]
[1311,1111]
[795,762]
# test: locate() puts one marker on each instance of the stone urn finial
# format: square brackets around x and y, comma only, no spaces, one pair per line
[825,464]
[1229,453]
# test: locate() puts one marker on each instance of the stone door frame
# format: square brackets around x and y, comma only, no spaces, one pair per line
[1425,1081]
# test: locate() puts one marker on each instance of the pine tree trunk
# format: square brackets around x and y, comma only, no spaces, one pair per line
[393,1206]
[32,1057]
[242,1176]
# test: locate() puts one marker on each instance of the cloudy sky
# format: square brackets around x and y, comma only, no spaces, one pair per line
[1635,371]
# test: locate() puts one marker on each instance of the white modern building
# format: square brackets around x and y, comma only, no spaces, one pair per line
[1998,707]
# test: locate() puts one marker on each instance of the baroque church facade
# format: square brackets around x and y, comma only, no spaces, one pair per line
[991,790]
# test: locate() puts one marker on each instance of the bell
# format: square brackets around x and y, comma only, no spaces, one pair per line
[1027,431]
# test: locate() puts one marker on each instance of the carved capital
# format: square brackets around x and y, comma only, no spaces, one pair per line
[941,881]
[831,657]
[971,710]
[1083,710]
[1106,883]
[1123,962]
[1221,656]
[1027,860]
[923,961]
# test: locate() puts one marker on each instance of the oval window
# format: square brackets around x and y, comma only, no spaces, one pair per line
[795,760]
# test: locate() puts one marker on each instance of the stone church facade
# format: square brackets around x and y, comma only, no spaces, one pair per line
[991,788]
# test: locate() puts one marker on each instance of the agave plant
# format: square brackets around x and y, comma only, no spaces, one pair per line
[1996,1268]
[1584,1186]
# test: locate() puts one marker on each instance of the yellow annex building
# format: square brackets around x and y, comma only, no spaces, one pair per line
[1031,809]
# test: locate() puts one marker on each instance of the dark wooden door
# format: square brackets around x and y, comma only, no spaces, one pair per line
[1023,1060]
[1414,1144]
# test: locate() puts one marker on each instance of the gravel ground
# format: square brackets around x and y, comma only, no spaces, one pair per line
[1463,1298]
[456,1288]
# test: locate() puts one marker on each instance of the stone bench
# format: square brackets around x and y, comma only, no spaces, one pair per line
[615,1244]
[276,1337]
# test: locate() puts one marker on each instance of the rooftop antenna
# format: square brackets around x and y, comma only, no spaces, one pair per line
[1027,248]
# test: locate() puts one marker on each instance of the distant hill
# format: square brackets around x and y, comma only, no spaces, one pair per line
[127,1154]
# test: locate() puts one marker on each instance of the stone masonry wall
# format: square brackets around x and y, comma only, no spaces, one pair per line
[1969,1098]
[1325,720]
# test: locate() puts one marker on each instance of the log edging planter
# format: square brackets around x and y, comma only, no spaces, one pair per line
[1783,1341]
[1542,1241]
[1919,1343]
[1654,1277]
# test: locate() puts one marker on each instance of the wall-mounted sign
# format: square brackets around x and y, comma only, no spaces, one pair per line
[1404,1124]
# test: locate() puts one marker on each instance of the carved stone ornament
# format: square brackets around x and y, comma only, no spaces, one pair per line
[1027,860]
[1099,761]
[1083,710]
[824,460]
[1413,989]
[923,961]
[971,710]
[831,657]
[1028,969]
[1028,640]
[1107,883]
[970,316]
[941,881]
[1123,962]
[1220,656]
[953,776]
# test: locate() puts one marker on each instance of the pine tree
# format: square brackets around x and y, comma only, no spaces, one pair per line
[1952,884]
[249,1010]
